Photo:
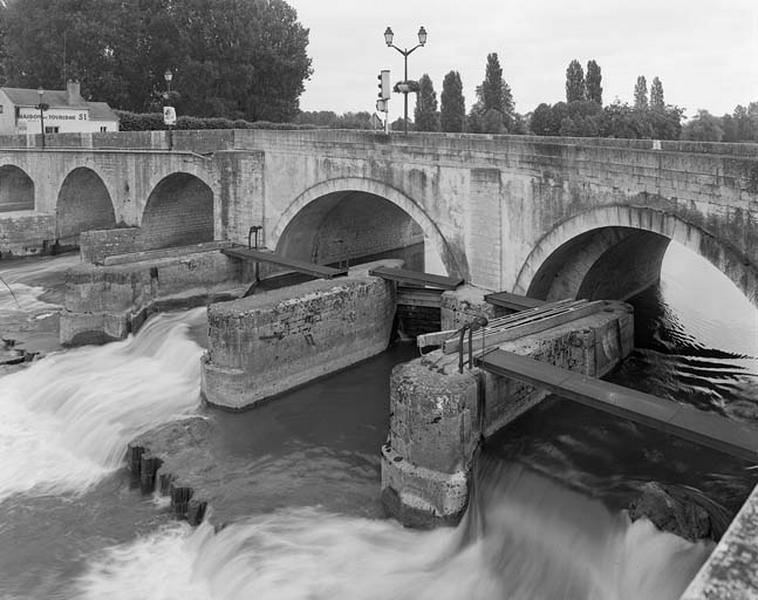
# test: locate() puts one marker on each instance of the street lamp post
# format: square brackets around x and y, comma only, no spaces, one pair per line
[168,76]
[388,36]
[42,106]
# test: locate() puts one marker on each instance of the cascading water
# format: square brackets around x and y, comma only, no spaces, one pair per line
[524,537]
[66,420]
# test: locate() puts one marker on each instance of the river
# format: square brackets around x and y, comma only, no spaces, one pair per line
[302,474]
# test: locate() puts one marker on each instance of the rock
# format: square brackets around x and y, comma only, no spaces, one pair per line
[671,510]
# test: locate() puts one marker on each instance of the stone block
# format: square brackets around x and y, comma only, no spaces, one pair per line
[268,343]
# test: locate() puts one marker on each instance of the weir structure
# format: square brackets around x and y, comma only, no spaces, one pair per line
[548,218]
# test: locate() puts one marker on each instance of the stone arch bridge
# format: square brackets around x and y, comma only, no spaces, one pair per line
[550,217]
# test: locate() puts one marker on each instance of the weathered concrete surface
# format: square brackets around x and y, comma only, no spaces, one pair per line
[433,435]
[731,572]
[104,303]
[438,415]
[26,232]
[462,305]
[267,343]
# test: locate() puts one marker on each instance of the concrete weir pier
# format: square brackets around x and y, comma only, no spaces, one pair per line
[268,343]
[439,413]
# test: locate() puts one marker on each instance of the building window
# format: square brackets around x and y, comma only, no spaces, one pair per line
[1,109]
[52,129]
[103,129]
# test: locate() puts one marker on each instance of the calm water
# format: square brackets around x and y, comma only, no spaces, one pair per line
[298,479]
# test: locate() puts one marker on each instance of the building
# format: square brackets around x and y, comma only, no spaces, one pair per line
[66,112]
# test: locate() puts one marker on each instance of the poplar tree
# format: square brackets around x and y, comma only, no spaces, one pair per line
[640,93]
[453,104]
[494,108]
[593,83]
[426,116]
[656,94]
[575,87]
[495,92]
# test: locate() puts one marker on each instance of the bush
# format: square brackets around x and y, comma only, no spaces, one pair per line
[130,121]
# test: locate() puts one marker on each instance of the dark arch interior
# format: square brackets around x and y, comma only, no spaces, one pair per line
[83,204]
[353,225]
[16,189]
[610,263]
[179,212]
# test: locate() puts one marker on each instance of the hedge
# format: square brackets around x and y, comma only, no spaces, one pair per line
[130,121]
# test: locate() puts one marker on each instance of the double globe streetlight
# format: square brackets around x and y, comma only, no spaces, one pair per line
[403,85]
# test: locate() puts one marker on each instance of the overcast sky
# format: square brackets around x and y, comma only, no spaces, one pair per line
[704,51]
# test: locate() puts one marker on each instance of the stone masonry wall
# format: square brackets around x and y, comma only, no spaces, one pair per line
[103,303]
[95,245]
[26,233]
[265,344]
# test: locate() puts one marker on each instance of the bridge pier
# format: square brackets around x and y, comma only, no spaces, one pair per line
[439,415]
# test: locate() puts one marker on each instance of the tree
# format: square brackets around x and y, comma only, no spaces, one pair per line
[575,87]
[541,122]
[656,94]
[593,83]
[453,104]
[229,58]
[494,94]
[426,116]
[704,127]
[640,93]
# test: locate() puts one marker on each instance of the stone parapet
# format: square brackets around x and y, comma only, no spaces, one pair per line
[730,572]
[268,343]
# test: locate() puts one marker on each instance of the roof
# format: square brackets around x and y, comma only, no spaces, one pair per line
[54,98]
[100,111]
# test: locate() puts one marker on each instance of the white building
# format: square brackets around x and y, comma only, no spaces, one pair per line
[67,111]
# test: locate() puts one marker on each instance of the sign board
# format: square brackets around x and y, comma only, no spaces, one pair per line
[52,114]
[169,115]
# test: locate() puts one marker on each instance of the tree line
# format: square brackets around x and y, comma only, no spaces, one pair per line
[582,114]
[229,58]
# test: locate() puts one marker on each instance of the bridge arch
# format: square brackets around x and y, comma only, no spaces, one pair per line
[16,189]
[84,203]
[616,251]
[372,211]
[179,211]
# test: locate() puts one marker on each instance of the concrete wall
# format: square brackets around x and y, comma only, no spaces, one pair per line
[104,303]
[24,232]
[265,344]
[97,244]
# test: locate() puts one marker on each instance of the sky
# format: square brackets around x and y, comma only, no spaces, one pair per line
[704,51]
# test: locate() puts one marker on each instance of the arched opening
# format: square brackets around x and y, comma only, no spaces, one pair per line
[179,212]
[83,204]
[606,263]
[616,251]
[356,226]
[16,189]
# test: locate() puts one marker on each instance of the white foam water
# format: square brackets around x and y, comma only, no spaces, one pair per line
[66,420]
[530,539]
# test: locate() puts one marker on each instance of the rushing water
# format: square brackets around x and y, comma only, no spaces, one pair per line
[302,473]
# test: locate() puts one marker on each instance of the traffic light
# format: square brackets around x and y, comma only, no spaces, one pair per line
[384,84]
